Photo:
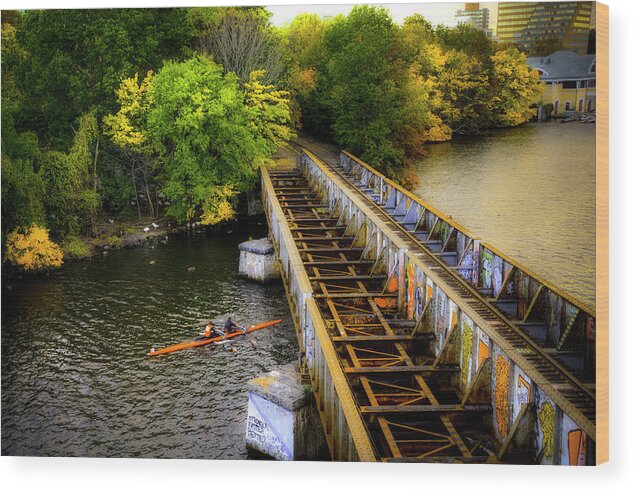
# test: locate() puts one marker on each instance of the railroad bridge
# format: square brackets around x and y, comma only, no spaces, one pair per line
[422,342]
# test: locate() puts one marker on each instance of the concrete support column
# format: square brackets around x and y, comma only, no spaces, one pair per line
[283,422]
[257,261]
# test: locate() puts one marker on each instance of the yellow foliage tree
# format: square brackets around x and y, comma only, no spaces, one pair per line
[125,128]
[32,250]
[217,207]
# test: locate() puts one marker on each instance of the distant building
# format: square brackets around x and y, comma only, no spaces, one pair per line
[474,16]
[569,81]
[545,25]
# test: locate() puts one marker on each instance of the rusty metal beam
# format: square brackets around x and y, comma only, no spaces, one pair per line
[401,370]
[426,408]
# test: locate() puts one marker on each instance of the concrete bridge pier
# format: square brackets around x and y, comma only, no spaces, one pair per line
[283,422]
[257,261]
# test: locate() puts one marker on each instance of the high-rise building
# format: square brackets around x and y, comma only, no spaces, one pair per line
[474,16]
[545,26]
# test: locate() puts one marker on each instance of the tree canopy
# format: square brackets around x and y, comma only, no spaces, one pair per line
[172,111]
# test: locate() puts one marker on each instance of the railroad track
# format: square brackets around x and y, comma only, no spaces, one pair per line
[581,397]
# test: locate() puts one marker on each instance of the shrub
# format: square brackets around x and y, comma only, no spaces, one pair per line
[114,241]
[32,250]
[75,248]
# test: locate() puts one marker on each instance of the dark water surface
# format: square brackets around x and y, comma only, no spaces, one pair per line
[529,191]
[76,378]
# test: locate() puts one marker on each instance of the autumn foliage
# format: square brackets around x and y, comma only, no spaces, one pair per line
[32,250]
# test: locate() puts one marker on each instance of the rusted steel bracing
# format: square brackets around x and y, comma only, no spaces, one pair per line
[403,392]
[536,337]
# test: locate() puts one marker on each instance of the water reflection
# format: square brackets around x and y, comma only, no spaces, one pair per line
[528,191]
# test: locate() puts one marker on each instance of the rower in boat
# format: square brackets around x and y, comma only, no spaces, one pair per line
[210,332]
[231,326]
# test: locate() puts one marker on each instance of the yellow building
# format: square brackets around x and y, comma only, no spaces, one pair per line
[569,81]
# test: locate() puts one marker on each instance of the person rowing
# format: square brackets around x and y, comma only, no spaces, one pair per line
[230,326]
[210,332]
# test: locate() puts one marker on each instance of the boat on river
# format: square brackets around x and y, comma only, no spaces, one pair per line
[217,339]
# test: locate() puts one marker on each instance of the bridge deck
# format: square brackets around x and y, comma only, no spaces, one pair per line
[404,391]
[410,409]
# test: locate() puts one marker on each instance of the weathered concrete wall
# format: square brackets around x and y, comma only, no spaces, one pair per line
[282,420]
[257,261]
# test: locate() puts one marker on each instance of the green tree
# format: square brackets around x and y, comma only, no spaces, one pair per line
[364,74]
[71,200]
[208,134]
[514,88]
[77,58]
[22,186]
[305,56]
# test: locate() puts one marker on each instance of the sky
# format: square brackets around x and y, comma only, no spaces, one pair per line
[436,13]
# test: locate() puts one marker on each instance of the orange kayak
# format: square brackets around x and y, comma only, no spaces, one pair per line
[203,342]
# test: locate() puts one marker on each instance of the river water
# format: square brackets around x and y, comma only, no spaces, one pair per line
[529,191]
[76,378]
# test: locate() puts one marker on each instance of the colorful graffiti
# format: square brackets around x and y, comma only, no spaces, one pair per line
[429,292]
[441,319]
[466,269]
[502,378]
[576,447]
[521,391]
[390,287]
[467,349]
[485,272]
[546,417]
[483,348]
[574,443]
[498,266]
[411,287]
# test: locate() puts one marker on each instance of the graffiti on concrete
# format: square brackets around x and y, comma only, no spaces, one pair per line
[466,352]
[411,288]
[442,324]
[269,428]
[545,428]
[502,379]
[487,264]
[497,274]
[573,443]
[521,391]
[483,347]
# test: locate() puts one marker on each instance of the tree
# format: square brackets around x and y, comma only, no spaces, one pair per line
[514,88]
[463,85]
[31,249]
[207,133]
[77,58]
[365,95]
[305,56]
[546,45]
[470,40]
[22,186]
[243,42]
[71,200]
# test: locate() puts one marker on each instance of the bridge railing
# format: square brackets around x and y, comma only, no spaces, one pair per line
[464,332]
[512,287]
[345,430]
